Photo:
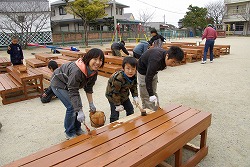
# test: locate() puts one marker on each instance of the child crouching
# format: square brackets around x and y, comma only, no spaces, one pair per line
[119,85]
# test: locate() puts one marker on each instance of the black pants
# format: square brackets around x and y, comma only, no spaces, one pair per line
[115,114]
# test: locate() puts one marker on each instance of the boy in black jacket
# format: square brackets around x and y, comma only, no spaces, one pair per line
[156,39]
[152,61]
[117,46]
[15,51]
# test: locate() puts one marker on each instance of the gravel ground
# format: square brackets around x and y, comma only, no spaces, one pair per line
[222,88]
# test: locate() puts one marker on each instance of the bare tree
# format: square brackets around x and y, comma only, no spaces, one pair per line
[215,10]
[146,16]
[24,19]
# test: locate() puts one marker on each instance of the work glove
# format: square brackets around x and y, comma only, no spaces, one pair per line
[119,108]
[153,99]
[81,116]
[92,107]
[136,100]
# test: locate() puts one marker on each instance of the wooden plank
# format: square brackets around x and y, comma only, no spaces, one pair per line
[4,83]
[33,62]
[45,56]
[165,145]
[67,58]
[10,82]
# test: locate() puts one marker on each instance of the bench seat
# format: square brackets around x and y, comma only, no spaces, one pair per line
[142,141]
[33,62]
[108,69]
[71,53]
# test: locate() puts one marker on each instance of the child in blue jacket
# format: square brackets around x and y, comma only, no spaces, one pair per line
[15,51]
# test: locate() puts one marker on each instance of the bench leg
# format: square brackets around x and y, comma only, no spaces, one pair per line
[203,140]
[178,158]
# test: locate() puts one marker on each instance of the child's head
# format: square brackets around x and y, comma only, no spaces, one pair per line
[153,32]
[175,55]
[14,40]
[52,65]
[94,59]
[129,65]
[123,43]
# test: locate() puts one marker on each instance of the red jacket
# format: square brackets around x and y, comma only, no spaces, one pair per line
[209,33]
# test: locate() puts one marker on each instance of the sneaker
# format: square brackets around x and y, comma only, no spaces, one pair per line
[211,61]
[79,132]
[69,137]
[203,62]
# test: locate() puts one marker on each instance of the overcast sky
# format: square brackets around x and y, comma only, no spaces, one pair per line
[173,9]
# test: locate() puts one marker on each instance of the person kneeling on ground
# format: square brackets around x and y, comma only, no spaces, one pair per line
[48,94]
[117,46]
[119,85]
[152,61]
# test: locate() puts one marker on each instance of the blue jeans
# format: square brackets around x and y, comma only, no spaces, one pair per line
[115,114]
[71,124]
[209,44]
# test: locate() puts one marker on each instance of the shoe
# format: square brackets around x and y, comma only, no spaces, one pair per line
[211,61]
[203,62]
[80,132]
[69,137]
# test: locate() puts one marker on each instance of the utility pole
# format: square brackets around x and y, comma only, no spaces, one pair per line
[164,19]
[115,21]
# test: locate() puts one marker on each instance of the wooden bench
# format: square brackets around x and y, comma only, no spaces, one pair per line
[45,56]
[196,53]
[31,81]
[216,50]
[224,49]
[34,62]
[113,59]
[143,141]
[45,71]
[71,53]
[61,61]
[10,89]
[4,62]
[67,58]
[108,69]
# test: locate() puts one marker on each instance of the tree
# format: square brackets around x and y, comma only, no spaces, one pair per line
[196,18]
[215,10]
[88,11]
[145,16]
[24,19]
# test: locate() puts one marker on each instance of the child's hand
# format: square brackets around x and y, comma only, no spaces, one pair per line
[119,108]
[9,48]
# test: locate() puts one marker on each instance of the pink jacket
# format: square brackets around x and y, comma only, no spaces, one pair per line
[209,33]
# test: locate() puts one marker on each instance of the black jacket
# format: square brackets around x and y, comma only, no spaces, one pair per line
[157,36]
[16,54]
[119,46]
[151,61]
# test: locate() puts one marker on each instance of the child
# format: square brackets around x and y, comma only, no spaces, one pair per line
[152,61]
[119,85]
[156,39]
[15,51]
[48,93]
[117,46]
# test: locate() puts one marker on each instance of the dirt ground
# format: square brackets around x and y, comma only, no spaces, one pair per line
[222,88]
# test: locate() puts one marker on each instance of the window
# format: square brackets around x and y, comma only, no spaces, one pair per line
[120,11]
[116,11]
[62,10]
[53,12]
[64,27]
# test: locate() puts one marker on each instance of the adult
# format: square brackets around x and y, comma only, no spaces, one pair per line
[140,49]
[210,34]
[117,46]
[66,82]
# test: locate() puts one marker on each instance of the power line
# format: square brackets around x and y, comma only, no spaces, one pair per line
[160,8]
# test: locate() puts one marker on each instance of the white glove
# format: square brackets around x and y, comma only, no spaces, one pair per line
[81,116]
[119,108]
[92,107]
[136,100]
[153,99]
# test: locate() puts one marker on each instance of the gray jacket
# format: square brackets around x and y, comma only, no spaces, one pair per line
[70,77]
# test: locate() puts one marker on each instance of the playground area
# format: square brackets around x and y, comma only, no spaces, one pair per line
[221,88]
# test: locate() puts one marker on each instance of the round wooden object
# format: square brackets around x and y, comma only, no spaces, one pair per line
[22,68]
[97,119]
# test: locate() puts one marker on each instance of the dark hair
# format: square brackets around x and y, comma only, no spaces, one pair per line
[122,42]
[93,53]
[129,60]
[175,52]
[52,65]
[153,30]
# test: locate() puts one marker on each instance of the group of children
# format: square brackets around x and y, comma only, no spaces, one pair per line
[143,67]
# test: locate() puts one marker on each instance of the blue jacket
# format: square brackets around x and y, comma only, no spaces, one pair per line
[16,54]
[141,48]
